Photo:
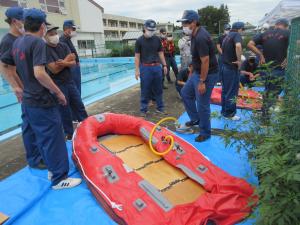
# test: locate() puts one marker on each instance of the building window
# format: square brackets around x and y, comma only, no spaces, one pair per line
[104,22]
[86,44]
[54,6]
[11,3]
[112,23]
[123,24]
[132,25]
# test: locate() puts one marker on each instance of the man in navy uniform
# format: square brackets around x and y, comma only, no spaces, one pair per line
[227,28]
[16,29]
[204,77]
[274,44]
[70,32]
[249,71]
[59,61]
[230,75]
[42,128]
[148,58]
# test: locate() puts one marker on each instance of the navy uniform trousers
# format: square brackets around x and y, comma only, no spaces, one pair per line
[201,111]
[43,139]
[151,87]
[74,107]
[230,78]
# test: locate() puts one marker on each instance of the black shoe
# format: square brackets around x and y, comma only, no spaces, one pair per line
[201,138]
[192,123]
[40,166]
[68,137]
[165,87]
[143,114]
[161,112]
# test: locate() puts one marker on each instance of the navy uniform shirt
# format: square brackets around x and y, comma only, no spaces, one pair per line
[221,39]
[201,46]
[229,48]
[69,43]
[274,44]
[149,49]
[53,54]
[6,46]
[246,66]
[29,51]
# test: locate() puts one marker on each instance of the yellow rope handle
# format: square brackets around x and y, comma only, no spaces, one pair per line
[243,91]
[169,137]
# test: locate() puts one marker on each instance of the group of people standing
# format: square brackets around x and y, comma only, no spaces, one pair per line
[201,68]
[43,70]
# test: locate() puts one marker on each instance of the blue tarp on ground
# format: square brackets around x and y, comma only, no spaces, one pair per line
[28,199]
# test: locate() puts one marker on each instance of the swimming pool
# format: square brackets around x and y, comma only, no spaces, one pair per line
[101,77]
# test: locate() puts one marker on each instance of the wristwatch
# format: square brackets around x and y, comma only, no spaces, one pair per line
[164,65]
[202,81]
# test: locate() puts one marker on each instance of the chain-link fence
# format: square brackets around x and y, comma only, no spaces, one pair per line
[293,68]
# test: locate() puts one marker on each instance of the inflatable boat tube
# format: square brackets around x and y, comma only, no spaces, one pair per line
[247,99]
[136,186]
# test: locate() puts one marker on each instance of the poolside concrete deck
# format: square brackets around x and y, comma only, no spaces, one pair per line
[12,157]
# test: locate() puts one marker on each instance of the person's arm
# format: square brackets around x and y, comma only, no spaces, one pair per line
[252,46]
[219,49]
[55,68]
[45,80]
[181,44]
[163,61]
[258,39]
[238,51]
[203,51]
[137,61]
[180,82]
[10,75]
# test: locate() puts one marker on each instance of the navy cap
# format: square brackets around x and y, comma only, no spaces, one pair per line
[238,25]
[69,23]
[189,16]
[51,27]
[282,21]
[35,14]
[162,30]
[150,25]
[14,13]
[227,26]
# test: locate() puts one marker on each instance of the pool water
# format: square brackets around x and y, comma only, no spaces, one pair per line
[100,78]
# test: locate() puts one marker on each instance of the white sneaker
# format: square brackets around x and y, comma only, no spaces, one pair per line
[67,183]
[183,129]
[50,175]
[235,118]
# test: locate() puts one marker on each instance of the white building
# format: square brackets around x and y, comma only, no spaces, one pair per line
[115,27]
[87,15]
[168,26]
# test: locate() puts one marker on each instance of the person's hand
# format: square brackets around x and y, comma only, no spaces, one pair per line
[284,64]
[19,93]
[60,62]
[165,70]
[251,76]
[238,63]
[61,99]
[202,88]
[262,60]
[137,75]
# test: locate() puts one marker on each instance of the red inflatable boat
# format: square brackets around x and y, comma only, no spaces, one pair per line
[247,99]
[138,187]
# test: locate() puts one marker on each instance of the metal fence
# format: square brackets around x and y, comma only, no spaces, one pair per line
[293,68]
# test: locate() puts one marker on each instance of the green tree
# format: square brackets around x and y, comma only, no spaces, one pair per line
[214,18]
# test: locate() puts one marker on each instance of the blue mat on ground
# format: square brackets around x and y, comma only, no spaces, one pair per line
[28,199]
[219,122]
